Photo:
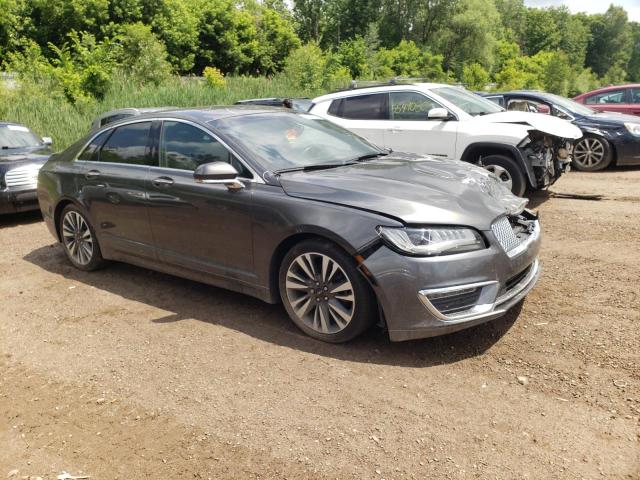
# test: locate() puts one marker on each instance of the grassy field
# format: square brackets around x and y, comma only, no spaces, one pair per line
[51,115]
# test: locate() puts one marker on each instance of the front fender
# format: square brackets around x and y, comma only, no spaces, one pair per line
[475,149]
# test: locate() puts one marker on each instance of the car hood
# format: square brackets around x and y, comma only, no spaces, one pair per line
[34,155]
[613,119]
[412,189]
[534,121]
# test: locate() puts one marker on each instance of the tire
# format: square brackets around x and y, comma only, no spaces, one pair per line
[79,240]
[508,171]
[324,293]
[592,153]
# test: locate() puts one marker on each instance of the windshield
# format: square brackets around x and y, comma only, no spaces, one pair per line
[469,102]
[569,105]
[17,136]
[283,141]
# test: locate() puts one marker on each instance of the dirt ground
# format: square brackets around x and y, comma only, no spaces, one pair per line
[129,374]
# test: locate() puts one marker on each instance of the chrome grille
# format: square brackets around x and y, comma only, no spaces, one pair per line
[26,176]
[503,231]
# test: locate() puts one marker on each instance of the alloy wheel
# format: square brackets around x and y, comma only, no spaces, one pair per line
[589,152]
[502,173]
[77,237]
[320,293]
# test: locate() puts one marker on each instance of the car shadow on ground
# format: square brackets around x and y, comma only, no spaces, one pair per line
[185,299]
[23,218]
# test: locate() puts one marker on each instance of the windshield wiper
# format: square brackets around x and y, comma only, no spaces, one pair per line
[311,168]
[369,156]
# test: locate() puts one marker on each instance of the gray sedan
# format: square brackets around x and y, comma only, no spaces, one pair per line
[290,208]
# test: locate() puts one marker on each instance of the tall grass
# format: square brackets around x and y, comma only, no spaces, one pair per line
[49,114]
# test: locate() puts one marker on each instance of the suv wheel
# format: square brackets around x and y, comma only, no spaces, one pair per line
[323,292]
[507,171]
[591,154]
[79,239]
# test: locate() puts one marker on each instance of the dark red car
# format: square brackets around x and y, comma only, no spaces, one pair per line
[622,98]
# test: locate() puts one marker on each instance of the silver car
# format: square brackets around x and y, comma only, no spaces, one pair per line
[291,208]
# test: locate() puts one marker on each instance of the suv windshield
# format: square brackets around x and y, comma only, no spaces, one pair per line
[284,141]
[17,136]
[469,102]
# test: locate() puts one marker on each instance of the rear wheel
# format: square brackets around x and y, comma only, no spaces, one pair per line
[591,154]
[79,239]
[507,171]
[323,292]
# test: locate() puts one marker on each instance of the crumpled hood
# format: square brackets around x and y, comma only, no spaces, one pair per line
[534,121]
[413,189]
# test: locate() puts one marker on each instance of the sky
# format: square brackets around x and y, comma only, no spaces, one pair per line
[591,6]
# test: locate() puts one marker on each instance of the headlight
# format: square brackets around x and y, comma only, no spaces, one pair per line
[432,241]
[634,128]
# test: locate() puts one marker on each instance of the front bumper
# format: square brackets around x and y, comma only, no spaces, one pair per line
[404,286]
[15,201]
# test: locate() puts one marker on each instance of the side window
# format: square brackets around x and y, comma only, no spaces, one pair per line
[185,147]
[496,100]
[612,96]
[91,151]
[365,107]
[334,108]
[410,106]
[635,95]
[128,144]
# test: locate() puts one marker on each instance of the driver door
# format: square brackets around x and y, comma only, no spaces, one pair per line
[199,226]
[410,130]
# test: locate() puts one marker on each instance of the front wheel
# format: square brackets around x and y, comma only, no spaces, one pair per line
[323,292]
[591,154]
[79,239]
[507,171]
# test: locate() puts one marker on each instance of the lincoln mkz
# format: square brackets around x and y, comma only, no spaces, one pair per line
[291,208]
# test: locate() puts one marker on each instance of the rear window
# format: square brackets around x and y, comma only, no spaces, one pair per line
[361,107]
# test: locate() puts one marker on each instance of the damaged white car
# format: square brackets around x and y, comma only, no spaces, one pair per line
[522,149]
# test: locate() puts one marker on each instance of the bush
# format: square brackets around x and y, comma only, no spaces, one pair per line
[305,67]
[475,77]
[214,77]
[142,55]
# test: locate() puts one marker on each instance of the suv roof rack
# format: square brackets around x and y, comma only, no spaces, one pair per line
[358,84]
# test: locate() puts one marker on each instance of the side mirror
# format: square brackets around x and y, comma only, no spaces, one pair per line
[47,140]
[218,173]
[438,114]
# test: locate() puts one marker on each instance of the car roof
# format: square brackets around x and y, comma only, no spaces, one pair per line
[5,124]
[380,88]
[204,114]
[610,87]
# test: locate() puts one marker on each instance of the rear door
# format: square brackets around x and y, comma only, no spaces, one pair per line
[115,185]
[364,114]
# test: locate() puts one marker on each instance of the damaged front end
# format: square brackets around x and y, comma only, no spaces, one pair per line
[548,155]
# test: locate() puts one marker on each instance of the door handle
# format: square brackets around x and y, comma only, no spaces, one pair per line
[162,181]
[92,174]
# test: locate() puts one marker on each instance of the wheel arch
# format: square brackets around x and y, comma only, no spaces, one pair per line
[60,206]
[602,134]
[287,243]
[475,151]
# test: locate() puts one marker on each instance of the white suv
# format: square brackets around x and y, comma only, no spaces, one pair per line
[522,149]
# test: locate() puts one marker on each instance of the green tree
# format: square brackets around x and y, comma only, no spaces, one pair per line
[142,55]
[471,35]
[306,66]
[611,42]
[353,55]
[474,76]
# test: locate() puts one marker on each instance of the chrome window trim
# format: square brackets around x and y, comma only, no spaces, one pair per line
[256,179]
